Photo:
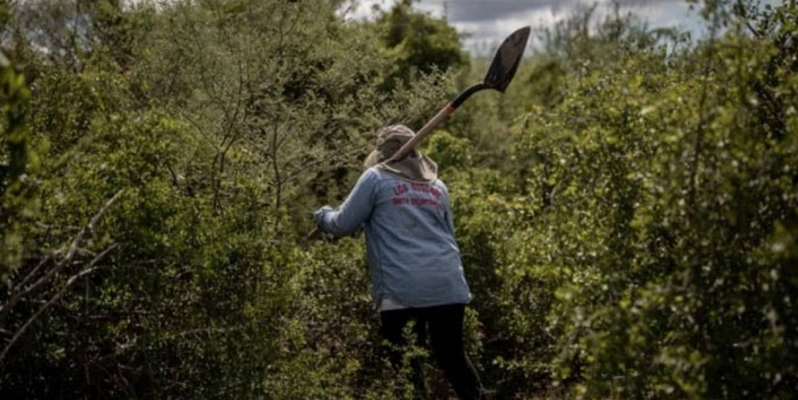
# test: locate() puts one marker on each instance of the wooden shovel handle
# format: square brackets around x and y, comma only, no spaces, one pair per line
[423,132]
[315,234]
[436,120]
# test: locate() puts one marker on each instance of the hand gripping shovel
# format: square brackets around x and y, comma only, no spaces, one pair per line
[501,72]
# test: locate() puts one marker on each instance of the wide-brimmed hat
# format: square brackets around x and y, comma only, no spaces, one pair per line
[414,166]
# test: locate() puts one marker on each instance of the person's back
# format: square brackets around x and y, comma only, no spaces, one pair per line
[413,256]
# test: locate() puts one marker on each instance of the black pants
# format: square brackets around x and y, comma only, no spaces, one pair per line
[445,325]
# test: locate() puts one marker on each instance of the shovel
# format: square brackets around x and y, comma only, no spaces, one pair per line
[501,72]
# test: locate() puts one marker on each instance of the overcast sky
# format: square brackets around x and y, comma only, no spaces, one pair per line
[489,21]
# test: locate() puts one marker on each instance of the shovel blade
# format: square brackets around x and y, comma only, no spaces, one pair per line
[505,63]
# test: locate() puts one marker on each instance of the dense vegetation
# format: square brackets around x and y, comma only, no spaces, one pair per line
[627,213]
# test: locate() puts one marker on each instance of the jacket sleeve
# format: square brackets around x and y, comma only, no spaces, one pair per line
[353,212]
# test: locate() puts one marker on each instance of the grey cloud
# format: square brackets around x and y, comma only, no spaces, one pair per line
[476,10]
[487,22]
[487,10]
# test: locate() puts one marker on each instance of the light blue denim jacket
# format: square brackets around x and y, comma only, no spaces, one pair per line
[412,253]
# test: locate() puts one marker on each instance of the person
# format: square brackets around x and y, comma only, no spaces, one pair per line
[414,260]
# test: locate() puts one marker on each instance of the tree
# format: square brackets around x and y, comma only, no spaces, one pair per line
[418,43]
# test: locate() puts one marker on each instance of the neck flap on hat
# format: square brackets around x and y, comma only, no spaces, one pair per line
[415,167]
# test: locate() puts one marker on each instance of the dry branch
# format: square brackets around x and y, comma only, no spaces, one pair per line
[89,269]
[20,292]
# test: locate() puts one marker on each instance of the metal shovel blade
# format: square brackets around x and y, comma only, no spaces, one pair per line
[506,61]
